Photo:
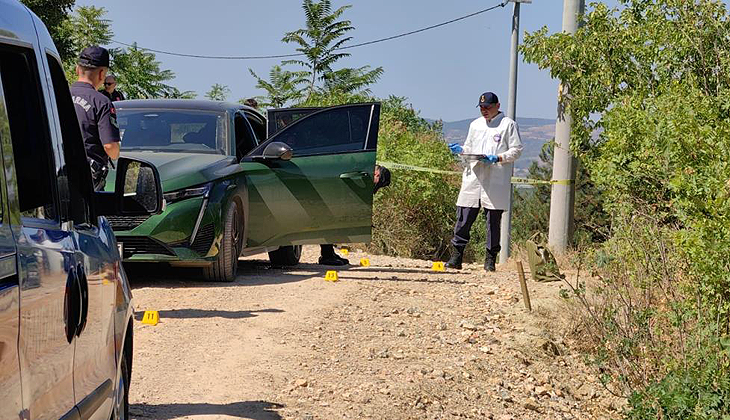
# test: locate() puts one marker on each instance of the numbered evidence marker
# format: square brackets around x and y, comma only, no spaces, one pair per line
[331,276]
[438,266]
[364,262]
[151,317]
[344,251]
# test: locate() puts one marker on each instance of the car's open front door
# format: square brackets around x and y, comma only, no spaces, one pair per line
[324,192]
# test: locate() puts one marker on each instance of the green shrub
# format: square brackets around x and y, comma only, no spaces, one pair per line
[414,217]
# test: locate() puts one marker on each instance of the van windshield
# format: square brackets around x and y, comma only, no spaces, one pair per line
[173,130]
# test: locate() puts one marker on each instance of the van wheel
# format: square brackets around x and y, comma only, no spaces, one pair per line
[121,399]
[226,262]
[286,256]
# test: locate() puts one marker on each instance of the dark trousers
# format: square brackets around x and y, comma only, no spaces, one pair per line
[327,250]
[465,217]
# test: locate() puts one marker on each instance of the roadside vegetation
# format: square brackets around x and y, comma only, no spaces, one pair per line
[653,80]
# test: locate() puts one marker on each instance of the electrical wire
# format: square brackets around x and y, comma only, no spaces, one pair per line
[265,57]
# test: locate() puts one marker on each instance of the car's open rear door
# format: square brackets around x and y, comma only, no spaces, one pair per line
[324,193]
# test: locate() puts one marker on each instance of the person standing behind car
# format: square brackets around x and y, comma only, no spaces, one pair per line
[110,89]
[96,113]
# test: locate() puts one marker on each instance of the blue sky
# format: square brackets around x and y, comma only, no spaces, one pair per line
[442,71]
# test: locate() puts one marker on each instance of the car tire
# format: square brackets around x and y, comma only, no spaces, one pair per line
[225,265]
[121,403]
[286,256]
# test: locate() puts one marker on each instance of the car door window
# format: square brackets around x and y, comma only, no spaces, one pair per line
[258,124]
[278,119]
[30,138]
[245,138]
[330,131]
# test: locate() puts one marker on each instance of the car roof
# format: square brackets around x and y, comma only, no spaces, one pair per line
[17,25]
[197,104]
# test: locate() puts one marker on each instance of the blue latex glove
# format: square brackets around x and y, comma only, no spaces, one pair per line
[456,148]
[490,159]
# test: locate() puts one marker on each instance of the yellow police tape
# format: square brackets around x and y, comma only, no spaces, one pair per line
[515,180]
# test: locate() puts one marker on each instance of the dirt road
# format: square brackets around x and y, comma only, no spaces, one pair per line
[391,341]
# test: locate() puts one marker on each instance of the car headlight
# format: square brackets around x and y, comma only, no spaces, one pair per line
[198,191]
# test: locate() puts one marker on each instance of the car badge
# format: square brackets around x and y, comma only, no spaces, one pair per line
[497,138]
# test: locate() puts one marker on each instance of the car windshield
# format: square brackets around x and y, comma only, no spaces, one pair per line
[172,130]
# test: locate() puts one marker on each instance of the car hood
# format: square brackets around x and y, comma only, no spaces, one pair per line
[181,170]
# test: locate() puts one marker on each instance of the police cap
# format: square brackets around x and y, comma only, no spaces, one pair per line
[93,57]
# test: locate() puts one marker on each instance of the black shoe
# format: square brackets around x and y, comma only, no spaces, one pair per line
[490,261]
[333,260]
[457,255]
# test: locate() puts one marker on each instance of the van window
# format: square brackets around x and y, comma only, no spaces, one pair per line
[76,169]
[29,133]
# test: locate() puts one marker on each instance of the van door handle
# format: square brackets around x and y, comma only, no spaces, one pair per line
[72,301]
[84,291]
[354,175]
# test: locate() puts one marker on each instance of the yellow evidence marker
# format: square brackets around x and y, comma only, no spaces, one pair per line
[344,251]
[151,317]
[364,262]
[331,276]
[438,266]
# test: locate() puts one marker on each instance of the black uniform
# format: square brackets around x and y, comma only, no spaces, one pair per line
[98,122]
[114,96]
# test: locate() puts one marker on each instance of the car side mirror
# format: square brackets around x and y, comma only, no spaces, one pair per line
[277,150]
[137,190]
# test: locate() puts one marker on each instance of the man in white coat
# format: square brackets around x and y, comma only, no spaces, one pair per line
[491,146]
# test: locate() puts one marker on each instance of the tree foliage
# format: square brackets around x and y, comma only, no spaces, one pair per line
[648,90]
[282,87]
[138,72]
[218,92]
[320,39]
[319,82]
[139,75]
[54,13]
[354,81]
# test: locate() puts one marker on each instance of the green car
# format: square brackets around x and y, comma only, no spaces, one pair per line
[235,184]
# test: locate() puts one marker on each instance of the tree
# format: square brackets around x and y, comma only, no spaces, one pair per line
[54,13]
[175,93]
[351,81]
[218,92]
[85,27]
[283,87]
[320,39]
[139,75]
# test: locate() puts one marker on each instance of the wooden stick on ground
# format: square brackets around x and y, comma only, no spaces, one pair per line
[523,284]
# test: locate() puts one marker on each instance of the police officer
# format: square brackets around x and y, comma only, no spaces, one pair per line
[96,113]
[491,146]
[110,89]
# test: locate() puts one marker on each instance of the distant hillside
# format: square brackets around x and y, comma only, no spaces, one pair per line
[533,131]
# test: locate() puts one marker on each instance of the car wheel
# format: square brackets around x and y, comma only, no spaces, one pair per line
[121,399]
[286,256]
[226,263]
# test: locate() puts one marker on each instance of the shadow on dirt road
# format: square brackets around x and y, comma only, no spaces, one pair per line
[255,410]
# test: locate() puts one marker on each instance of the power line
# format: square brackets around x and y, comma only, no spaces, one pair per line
[264,57]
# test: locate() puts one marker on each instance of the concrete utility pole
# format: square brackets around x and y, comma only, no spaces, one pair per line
[562,198]
[506,227]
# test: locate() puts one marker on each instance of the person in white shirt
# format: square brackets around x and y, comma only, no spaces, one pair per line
[491,146]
